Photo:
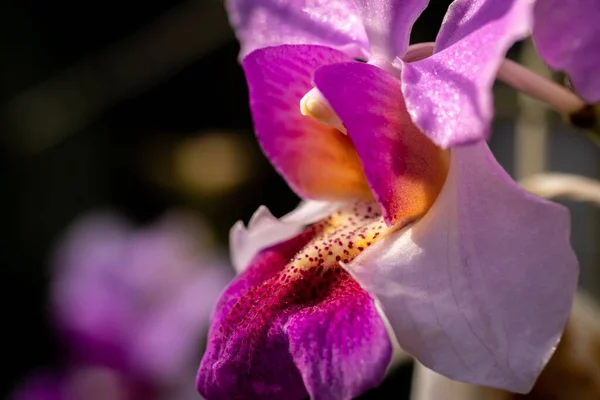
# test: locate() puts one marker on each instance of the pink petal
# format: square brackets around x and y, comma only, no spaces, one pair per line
[572,373]
[388,24]
[567,36]
[449,95]
[317,161]
[480,289]
[332,23]
[404,168]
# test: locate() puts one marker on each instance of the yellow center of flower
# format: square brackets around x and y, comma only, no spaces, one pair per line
[339,238]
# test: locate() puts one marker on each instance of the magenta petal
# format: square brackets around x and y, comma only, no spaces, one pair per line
[404,168]
[317,161]
[332,23]
[388,24]
[309,334]
[449,95]
[480,289]
[567,36]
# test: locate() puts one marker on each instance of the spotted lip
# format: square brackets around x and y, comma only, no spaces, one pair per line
[295,321]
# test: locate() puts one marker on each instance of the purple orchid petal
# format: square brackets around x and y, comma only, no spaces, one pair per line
[388,24]
[186,317]
[133,299]
[264,230]
[92,319]
[479,289]
[404,168]
[567,36]
[317,161]
[572,372]
[448,95]
[285,333]
[332,23]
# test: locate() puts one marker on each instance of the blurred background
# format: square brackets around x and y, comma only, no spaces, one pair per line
[139,109]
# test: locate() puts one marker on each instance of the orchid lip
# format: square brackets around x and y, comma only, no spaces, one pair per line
[284,296]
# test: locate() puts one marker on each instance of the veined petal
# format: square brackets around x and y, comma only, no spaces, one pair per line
[567,36]
[479,289]
[388,24]
[289,329]
[264,230]
[449,95]
[404,168]
[332,23]
[571,373]
[318,161]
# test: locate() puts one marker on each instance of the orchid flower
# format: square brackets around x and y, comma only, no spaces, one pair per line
[136,300]
[576,53]
[131,305]
[474,275]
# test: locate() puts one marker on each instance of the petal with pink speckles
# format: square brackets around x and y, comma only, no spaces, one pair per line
[567,36]
[404,168]
[317,161]
[481,287]
[449,95]
[292,329]
[332,23]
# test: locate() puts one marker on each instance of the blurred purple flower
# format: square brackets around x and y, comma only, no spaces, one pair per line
[567,36]
[136,300]
[89,383]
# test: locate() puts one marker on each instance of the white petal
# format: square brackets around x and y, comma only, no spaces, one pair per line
[265,230]
[481,287]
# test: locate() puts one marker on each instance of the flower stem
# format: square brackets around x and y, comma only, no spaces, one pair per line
[569,186]
[536,86]
[576,111]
